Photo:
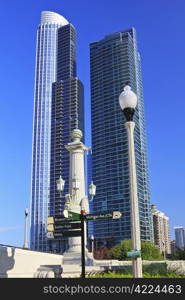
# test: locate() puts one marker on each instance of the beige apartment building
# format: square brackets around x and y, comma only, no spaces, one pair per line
[161,230]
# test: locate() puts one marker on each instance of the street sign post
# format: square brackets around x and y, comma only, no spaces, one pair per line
[82,246]
[72,225]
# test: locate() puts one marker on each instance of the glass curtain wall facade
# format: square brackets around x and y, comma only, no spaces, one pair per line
[115,62]
[179,237]
[45,75]
[66,115]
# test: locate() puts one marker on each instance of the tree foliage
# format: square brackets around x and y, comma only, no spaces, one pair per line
[149,251]
[179,254]
[120,251]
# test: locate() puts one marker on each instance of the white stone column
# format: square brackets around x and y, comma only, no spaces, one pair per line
[134,210]
[76,182]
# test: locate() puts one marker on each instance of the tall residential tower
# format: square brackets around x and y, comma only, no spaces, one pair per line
[67,114]
[115,62]
[56,113]
[161,230]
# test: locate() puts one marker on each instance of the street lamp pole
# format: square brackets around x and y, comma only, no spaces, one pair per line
[25,245]
[128,102]
[92,241]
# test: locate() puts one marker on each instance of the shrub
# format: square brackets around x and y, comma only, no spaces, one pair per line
[148,251]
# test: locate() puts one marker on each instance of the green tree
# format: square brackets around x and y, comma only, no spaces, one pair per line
[120,250]
[149,251]
[179,254]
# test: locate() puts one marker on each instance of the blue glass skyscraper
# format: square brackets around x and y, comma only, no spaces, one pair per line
[115,62]
[179,237]
[55,61]
[67,113]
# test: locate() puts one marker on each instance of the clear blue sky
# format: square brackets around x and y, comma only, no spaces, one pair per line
[160,27]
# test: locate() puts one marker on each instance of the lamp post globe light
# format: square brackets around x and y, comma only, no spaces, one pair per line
[60,184]
[128,102]
[25,245]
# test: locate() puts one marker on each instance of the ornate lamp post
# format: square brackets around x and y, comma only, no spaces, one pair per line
[128,102]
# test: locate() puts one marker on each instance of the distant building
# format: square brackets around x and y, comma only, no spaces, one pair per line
[161,230]
[179,237]
[173,247]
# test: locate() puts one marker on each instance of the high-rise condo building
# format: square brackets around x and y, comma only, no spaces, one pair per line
[179,237]
[56,113]
[161,230]
[115,62]
[67,114]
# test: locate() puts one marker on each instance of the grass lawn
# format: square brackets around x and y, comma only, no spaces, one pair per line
[145,275]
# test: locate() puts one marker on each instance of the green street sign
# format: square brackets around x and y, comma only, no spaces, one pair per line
[74,216]
[134,254]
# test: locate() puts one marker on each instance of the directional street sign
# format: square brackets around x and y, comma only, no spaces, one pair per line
[71,225]
[64,226]
[103,216]
[73,216]
[69,233]
[56,219]
[61,219]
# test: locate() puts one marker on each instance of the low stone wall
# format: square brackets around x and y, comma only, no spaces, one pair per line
[177,265]
[21,263]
